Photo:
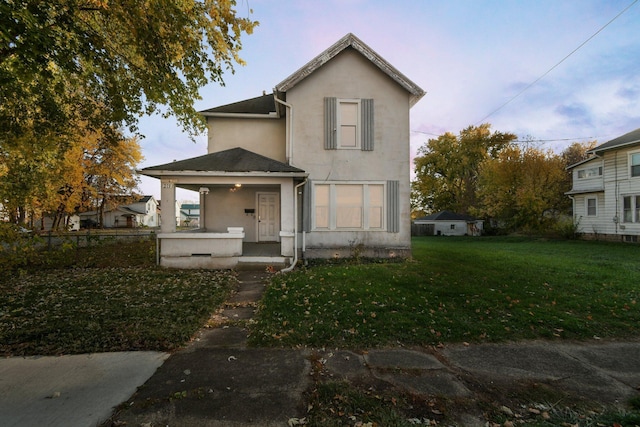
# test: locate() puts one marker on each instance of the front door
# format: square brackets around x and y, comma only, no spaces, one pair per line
[268,217]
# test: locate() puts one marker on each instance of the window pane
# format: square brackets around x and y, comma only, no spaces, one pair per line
[637,208]
[591,207]
[348,113]
[348,136]
[349,206]
[322,216]
[627,212]
[349,195]
[349,217]
[322,206]
[376,204]
[375,217]
[635,170]
[376,195]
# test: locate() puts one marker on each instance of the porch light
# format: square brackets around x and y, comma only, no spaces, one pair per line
[203,190]
[236,187]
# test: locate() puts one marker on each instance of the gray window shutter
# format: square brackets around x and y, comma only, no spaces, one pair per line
[366,106]
[393,206]
[330,123]
[306,207]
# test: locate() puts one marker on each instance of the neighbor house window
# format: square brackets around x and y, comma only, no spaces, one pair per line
[590,172]
[348,206]
[631,208]
[592,206]
[634,162]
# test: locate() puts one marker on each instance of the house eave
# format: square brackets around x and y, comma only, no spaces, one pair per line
[221,174]
[586,191]
[351,40]
[271,115]
[594,157]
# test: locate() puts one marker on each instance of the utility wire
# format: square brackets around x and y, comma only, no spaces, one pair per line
[577,138]
[555,66]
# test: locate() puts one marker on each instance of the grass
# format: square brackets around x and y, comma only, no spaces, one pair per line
[459,290]
[110,297]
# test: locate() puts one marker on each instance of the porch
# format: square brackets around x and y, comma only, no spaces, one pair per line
[200,249]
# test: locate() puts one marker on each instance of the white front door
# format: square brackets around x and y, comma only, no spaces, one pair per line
[268,217]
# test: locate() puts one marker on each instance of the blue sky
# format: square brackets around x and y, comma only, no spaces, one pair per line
[470,56]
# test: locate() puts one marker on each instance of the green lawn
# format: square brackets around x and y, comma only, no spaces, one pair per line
[459,290]
[110,297]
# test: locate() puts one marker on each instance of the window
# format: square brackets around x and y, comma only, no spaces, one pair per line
[590,172]
[631,208]
[453,226]
[592,205]
[634,162]
[348,124]
[348,135]
[339,206]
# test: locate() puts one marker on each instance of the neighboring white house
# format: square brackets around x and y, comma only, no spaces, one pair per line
[606,190]
[317,167]
[142,213]
[446,223]
[68,222]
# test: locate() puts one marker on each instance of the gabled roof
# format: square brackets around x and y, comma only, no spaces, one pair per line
[351,41]
[232,160]
[264,104]
[446,216]
[627,139]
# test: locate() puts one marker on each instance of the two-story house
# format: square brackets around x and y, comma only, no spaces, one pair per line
[606,190]
[319,168]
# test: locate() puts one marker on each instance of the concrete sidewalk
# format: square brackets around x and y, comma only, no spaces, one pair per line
[70,391]
[218,381]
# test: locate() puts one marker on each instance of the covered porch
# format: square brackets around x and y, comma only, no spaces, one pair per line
[247,211]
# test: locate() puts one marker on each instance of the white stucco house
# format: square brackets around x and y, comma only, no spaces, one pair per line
[314,169]
[447,223]
[606,190]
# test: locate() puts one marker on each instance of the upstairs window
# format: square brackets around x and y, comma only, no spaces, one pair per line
[590,172]
[634,162]
[348,124]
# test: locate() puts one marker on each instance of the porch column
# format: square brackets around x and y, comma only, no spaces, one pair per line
[168,200]
[287,218]
[203,195]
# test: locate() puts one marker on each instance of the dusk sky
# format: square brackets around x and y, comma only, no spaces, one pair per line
[471,57]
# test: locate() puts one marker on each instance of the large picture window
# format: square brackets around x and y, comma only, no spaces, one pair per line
[349,206]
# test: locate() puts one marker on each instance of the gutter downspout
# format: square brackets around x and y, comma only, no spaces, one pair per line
[290,127]
[295,229]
